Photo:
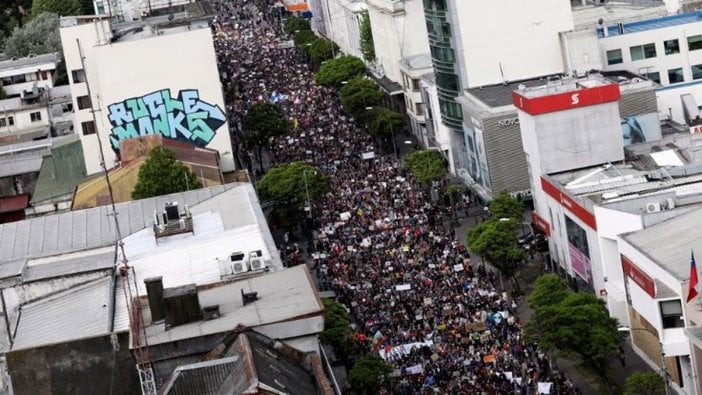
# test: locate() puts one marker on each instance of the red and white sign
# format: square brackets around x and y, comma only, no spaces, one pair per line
[568,202]
[537,220]
[696,129]
[568,100]
[637,275]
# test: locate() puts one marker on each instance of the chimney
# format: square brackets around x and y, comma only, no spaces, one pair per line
[154,291]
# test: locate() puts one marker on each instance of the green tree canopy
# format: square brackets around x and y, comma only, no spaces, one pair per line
[367,44]
[12,14]
[454,192]
[426,165]
[289,183]
[304,37]
[39,36]
[644,383]
[336,328]
[368,373]
[295,23]
[59,7]
[358,94]
[549,290]
[496,240]
[263,121]
[505,206]
[321,50]
[343,68]
[579,326]
[162,174]
[386,122]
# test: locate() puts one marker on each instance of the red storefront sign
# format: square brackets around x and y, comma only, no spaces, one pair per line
[541,223]
[568,202]
[638,276]
[565,101]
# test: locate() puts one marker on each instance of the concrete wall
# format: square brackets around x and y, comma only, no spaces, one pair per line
[89,366]
[581,52]
[22,119]
[511,40]
[669,103]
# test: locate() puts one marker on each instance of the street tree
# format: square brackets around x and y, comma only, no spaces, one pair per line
[162,174]
[426,166]
[58,7]
[367,44]
[368,374]
[304,37]
[335,71]
[506,206]
[549,290]
[294,24]
[454,192]
[263,121]
[644,383]
[287,187]
[579,327]
[386,123]
[39,36]
[359,94]
[496,241]
[337,331]
[321,50]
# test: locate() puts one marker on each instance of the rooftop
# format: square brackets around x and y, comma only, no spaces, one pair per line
[422,61]
[37,60]
[669,243]
[651,24]
[499,95]
[60,172]
[13,203]
[613,12]
[283,296]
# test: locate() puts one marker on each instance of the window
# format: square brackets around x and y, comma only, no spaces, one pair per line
[654,76]
[671,47]
[10,121]
[78,76]
[696,71]
[415,85]
[35,116]
[88,127]
[645,51]
[30,76]
[3,122]
[419,109]
[671,314]
[84,102]
[100,7]
[675,75]
[614,56]
[694,42]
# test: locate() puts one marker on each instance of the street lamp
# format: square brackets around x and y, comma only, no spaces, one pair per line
[664,369]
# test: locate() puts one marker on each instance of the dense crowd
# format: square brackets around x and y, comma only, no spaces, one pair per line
[416,297]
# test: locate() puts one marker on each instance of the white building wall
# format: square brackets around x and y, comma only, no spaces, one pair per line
[137,74]
[344,25]
[661,63]
[22,120]
[532,47]
[397,34]
[670,104]
[442,135]
[581,51]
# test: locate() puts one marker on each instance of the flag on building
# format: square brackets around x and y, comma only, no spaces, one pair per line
[693,278]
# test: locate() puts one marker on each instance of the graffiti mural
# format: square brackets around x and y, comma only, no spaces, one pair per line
[185,118]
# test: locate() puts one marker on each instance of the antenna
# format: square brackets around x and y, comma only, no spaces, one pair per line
[136,323]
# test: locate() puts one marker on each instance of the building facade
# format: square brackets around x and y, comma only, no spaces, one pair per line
[340,21]
[153,89]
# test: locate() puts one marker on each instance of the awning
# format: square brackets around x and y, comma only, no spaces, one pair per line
[390,87]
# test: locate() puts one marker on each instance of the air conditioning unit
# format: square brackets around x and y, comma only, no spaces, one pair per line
[653,207]
[234,264]
[256,261]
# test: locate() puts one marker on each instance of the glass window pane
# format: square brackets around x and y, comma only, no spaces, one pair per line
[697,71]
[694,42]
[675,75]
[636,53]
[654,76]
[671,47]
[649,51]
[614,56]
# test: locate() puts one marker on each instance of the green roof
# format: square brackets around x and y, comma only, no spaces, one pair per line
[60,172]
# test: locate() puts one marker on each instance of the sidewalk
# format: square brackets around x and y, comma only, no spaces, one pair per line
[586,385]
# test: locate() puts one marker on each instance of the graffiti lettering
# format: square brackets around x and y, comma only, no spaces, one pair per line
[185,118]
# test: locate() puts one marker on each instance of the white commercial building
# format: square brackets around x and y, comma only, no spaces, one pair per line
[340,21]
[132,10]
[412,69]
[434,134]
[26,74]
[150,77]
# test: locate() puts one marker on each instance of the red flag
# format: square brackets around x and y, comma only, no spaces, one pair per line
[693,278]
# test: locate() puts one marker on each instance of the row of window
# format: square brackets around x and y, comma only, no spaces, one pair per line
[648,51]
[676,75]
[29,77]
[9,121]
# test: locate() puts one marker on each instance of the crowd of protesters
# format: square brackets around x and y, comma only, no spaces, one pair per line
[416,298]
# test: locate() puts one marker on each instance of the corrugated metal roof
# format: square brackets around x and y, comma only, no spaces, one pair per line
[21,164]
[68,265]
[60,172]
[91,228]
[669,243]
[78,313]
[29,61]
[224,375]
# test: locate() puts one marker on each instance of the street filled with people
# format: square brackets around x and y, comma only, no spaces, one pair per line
[416,297]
